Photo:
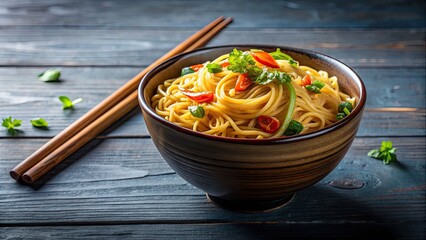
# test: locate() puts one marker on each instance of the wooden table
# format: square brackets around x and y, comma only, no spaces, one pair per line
[118,186]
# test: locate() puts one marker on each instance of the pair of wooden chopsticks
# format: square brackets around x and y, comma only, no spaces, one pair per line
[103,115]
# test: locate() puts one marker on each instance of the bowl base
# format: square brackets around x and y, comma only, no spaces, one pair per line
[251,207]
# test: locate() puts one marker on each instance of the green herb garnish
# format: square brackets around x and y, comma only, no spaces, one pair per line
[294,128]
[50,75]
[10,124]
[293,63]
[315,86]
[39,123]
[197,111]
[344,109]
[278,55]
[214,68]
[266,77]
[385,153]
[186,70]
[243,62]
[67,103]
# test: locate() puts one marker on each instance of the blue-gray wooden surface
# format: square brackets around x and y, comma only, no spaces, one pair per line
[118,186]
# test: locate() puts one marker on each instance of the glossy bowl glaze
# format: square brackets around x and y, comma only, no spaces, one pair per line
[250,174]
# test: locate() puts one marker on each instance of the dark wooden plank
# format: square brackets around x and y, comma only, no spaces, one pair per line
[244,231]
[140,47]
[24,97]
[125,181]
[373,13]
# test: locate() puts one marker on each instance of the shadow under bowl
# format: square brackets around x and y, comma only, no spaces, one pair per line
[251,174]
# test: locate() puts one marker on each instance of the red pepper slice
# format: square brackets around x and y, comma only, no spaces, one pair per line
[265,59]
[243,82]
[196,67]
[199,97]
[224,64]
[307,80]
[268,124]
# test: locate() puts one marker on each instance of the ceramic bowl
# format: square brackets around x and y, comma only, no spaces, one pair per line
[250,174]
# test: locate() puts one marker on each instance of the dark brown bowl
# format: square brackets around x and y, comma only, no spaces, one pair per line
[250,174]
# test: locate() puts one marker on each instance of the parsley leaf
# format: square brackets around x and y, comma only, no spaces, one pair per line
[67,103]
[385,153]
[266,77]
[243,62]
[50,75]
[39,123]
[10,124]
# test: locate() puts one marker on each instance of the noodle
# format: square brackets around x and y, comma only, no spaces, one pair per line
[233,113]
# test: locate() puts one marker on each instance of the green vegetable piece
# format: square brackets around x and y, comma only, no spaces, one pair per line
[242,62]
[214,68]
[315,86]
[340,116]
[386,153]
[186,70]
[39,123]
[344,105]
[344,109]
[10,124]
[266,77]
[278,55]
[67,103]
[293,63]
[318,84]
[197,111]
[50,75]
[294,128]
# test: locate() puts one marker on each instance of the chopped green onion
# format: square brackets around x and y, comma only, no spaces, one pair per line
[186,70]
[50,75]
[315,86]
[214,68]
[294,128]
[340,116]
[344,109]
[344,105]
[39,123]
[196,111]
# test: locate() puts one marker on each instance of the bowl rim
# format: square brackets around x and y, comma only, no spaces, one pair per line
[284,139]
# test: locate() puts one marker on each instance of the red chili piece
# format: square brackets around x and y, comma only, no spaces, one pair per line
[268,124]
[307,80]
[265,59]
[196,67]
[199,97]
[243,82]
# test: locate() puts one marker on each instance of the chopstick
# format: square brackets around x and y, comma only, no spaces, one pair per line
[103,115]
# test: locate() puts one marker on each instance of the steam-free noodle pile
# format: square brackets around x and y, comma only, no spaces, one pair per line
[213,98]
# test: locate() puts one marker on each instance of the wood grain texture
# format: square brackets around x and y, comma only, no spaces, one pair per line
[126,181]
[25,97]
[255,13]
[40,46]
[243,231]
